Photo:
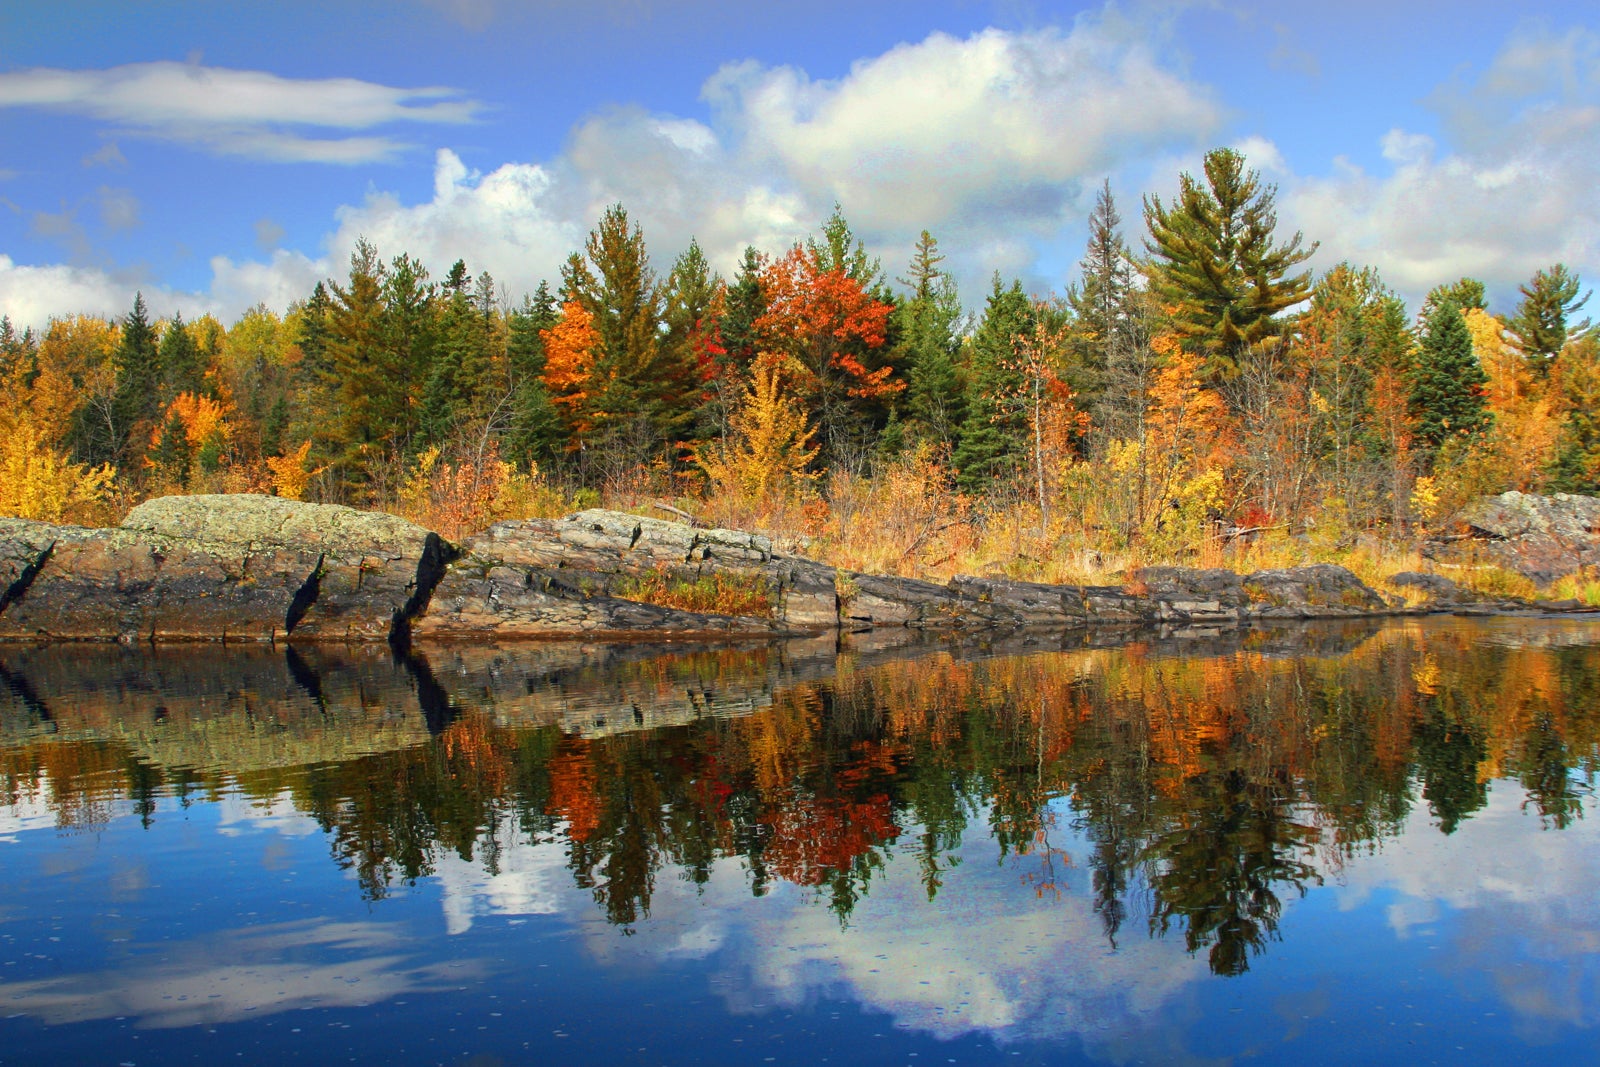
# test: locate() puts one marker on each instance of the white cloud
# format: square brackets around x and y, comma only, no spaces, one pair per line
[994,142]
[996,134]
[32,295]
[1513,192]
[239,112]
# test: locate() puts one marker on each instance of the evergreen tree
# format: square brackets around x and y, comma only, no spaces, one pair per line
[745,304]
[1542,323]
[136,404]
[618,288]
[535,425]
[410,344]
[181,363]
[928,325]
[840,250]
[1447,383]
[693,355]
[359,367]
[19,353]
[1215,264]
[1465,293]
[994,434]
[1104,335]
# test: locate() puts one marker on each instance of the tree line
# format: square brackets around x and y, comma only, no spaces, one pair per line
[1198,373]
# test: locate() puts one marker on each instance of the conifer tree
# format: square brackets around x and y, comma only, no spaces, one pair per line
[840,250]
[535,427]
[1543,320]
[622,296]
[994,434]
[1105,336]
[1215,264]
[1447,383]
[358,366]
[1465,293]
[181,363]
[929,327]
[137,400]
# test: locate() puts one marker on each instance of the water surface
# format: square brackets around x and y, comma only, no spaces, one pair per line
[1320,845]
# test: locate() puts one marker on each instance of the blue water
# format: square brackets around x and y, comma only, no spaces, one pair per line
[230,926]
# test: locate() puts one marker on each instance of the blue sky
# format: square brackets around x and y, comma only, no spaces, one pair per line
[216,155]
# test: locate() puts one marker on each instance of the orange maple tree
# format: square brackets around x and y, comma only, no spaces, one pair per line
[829,325]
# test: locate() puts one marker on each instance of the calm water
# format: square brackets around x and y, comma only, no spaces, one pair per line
[1329,845]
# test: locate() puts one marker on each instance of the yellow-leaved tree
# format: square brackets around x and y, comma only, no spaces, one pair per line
[38,479]
[1517,450]
[764,457]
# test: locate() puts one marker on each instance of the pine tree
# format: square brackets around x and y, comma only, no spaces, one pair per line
[1216,266]
[358,365]
[1447,383]
[621,294]
[535,427]
[1105,335]
[929,326]
[1465,293]
[182,368]
[840,250]
[1543,320]
[136,404]
[409,348]
[994,434]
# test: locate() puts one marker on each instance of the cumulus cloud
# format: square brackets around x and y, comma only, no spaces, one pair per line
[1513,192]
[992,141]
[32,295]
[239,112]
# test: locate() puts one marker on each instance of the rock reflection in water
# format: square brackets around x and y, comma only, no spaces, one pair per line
[1202,779]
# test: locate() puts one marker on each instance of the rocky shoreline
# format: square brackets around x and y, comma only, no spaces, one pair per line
[263,569]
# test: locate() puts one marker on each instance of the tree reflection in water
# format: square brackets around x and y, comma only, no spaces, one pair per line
[1203,787]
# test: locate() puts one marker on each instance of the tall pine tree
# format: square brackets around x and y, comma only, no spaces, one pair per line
[1447,384]
[1216,265]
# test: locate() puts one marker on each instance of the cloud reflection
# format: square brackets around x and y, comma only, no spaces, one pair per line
[236,973]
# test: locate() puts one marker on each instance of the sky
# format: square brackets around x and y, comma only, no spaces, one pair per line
[215,156]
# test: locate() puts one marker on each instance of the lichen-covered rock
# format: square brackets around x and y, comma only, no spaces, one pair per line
[1318,591]
[91,584]
[370,573]
[218,568]
[587,572]
[509,601]
[1541,537]
[881,600]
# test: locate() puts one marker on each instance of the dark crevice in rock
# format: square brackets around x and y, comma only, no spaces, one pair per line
[437,555]
[304,597]
[17,589]
[19,687]
[305,676]
[437,710]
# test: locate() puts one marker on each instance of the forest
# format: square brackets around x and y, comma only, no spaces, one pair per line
[1197,380]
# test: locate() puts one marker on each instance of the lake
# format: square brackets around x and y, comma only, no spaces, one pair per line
[1362,842]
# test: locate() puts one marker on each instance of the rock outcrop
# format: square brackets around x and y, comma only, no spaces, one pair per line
[264,569]
[594,572]
[1540,537]
[233,567]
